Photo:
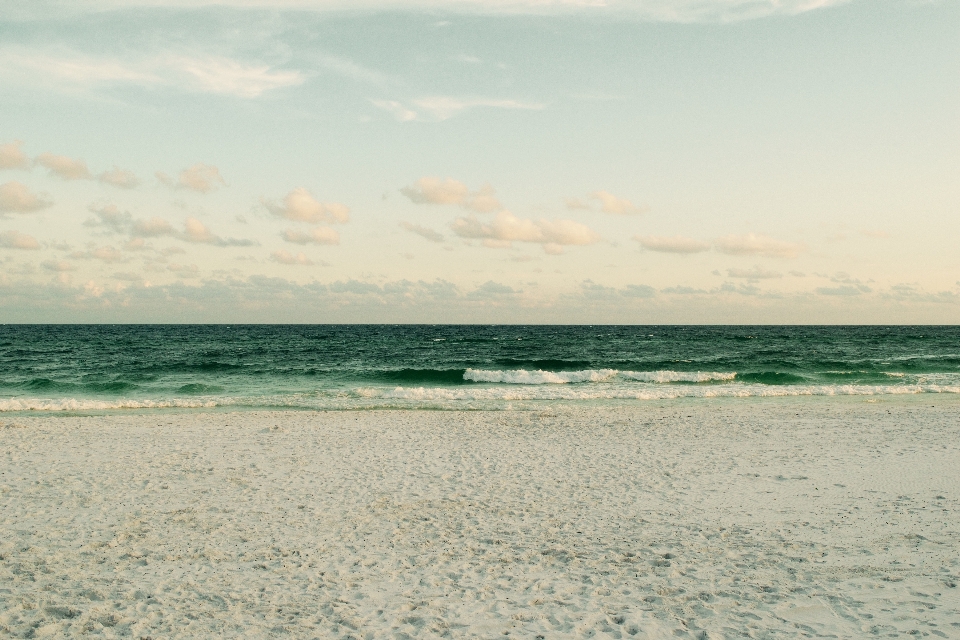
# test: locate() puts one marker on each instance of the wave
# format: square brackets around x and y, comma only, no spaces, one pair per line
[680,376]
[86,404]
[466,397]
[522,376]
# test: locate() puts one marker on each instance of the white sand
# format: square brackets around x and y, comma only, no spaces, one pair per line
[702,519]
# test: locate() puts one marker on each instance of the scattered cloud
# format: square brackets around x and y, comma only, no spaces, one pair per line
[196,231]
[184,270]
[683,290]
[423,232]
[12,156]
[153,227]
[638,291]
[675,244]
[110,216]
[318,235]
[104,254]
[444,107]
[225,76]
[433,190]
[119,178]
[576,204]
[506,228]
[400,112]
[756,273]
[57,265]
[301,206]
[491,289]
[193,231]
[285,257]
[68,168]
[16,240]
[202,178]
[127,276]
[15,197]
[847,290]
[64,167]
[610,203]
[758,245]
[684,11]
[63,70]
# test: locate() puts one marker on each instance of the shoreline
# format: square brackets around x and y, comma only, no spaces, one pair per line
[699,519]
[525,405]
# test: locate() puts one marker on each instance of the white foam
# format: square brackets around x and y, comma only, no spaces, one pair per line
[466,396]
[522,376]
[679,376]
[75,404]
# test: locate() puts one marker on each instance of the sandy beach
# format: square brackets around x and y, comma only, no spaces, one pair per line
[765,518]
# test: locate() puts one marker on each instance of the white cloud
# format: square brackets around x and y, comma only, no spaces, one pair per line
[610,203]
[16,240]
[444,107]
[12,156]
[758,245]
[433,190]
[104,254]
[319,235]
[301,206]
[423,232]
[193,231]
[196,231]
[64,167]
[285,257]
[756,273]
[400,112]
[69,70]
[110,216]
[230,77]
[506,228]
[119,178]
[676,244]
[482,201]
[649,10]
[200,177]
[152,228]
[15,197]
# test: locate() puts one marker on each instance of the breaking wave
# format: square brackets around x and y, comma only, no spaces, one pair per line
[522,376]
[467,397]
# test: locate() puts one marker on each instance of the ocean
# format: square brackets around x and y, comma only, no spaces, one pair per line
[78,368]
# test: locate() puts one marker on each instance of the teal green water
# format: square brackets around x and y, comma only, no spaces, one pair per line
[104,367]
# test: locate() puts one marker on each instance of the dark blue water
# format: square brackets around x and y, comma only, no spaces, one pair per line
[44,367]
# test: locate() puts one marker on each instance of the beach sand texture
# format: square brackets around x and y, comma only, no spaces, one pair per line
[765,518]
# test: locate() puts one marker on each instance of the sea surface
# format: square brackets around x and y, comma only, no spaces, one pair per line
[124,367]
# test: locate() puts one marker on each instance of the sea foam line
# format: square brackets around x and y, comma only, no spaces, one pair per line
[469,397]
[522,376]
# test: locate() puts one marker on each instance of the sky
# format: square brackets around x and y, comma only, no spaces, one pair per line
[507,161]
